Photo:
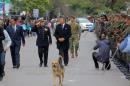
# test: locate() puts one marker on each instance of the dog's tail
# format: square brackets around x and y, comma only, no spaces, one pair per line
[60,61]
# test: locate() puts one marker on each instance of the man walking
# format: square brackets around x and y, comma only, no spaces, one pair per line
[62,34]
[43,41]
[16,34]
[74,40]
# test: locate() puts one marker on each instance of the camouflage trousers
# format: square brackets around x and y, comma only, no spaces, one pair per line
[74,46]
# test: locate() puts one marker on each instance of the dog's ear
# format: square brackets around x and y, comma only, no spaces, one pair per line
[60,60]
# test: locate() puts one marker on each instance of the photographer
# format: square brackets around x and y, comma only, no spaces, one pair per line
[104,52]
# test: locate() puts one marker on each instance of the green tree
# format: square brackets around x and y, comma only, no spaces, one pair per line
[96,6]
[29,5]
[88,7]
[119,5]
[42,5]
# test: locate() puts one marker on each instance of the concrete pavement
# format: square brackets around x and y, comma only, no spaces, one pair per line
[80,71]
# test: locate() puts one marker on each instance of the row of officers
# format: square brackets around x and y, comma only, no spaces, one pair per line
[67,36]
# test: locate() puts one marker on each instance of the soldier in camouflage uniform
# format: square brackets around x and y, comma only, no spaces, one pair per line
[74,40]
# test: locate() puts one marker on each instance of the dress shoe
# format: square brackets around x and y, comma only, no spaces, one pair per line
[3,74]
[15,66]
[45,66]
[66,64]
[40,65]
[1,78]
[18,66]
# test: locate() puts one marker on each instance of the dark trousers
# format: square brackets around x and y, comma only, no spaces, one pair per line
[107,63]
[2,63]
[15,50]
[41,51]
[65,55]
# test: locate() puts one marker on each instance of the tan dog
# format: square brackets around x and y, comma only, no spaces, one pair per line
[58,70]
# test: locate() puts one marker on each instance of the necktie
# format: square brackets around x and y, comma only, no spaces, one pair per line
[14,27]
[63,27]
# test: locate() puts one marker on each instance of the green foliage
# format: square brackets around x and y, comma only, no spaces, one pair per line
[97,6]
[88,7]
[29,5]
[119,5]
[42,5]
[85,6]
[77,6]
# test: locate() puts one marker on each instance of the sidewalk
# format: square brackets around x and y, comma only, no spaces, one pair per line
[80,71]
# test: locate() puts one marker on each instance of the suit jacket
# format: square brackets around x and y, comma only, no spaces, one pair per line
[16,36]
[2,37]
[65,33]
[43,36]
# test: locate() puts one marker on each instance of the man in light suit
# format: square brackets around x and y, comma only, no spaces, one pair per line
[62,34]
[16,34]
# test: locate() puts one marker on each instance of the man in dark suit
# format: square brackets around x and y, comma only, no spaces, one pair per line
[43,41]
[62,34]
[16,34]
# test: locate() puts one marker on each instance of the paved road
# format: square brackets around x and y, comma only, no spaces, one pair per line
[80,71]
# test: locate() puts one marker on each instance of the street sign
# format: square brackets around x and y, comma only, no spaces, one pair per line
[36,13]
